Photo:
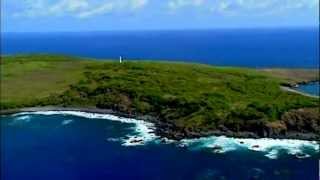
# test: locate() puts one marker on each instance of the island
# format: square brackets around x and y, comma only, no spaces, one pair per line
[183,100]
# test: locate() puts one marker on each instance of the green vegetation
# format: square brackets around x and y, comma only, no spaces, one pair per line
[27,79]
[192,96]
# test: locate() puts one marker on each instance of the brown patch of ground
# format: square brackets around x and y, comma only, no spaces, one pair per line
[294,75]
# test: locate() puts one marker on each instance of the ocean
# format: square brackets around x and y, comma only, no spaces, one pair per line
[312,88]
[292,48]
[78,145]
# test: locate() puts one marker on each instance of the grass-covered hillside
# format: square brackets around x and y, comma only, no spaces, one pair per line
[190,98]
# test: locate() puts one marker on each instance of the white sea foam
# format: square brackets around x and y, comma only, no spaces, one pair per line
[222,143]
[271,147]
[273,154]
[133,141]
[144,133]
[85,115]
[66,122]
[21,119]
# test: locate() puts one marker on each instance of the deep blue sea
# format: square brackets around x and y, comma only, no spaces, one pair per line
[234,47]
[77,145]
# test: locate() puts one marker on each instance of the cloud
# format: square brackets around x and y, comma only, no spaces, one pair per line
[137,4]
[68,6]
[270,7]
[176,4]
[275,4]
[103,9]
[244,7]
[77,8]
[90,8]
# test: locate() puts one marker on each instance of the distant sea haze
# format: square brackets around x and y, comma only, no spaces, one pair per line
[288,48]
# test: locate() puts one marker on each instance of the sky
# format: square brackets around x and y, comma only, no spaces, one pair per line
[109,15]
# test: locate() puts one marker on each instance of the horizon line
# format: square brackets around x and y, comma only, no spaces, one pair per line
[172,29]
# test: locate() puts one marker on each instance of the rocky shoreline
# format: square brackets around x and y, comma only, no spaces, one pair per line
[170,131]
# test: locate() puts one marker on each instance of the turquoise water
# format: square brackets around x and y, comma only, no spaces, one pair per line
[77,145]
[310,88]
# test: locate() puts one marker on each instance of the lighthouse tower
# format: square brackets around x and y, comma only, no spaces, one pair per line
[120,59]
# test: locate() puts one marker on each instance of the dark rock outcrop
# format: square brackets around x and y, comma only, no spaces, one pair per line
[302,120]
[295,124]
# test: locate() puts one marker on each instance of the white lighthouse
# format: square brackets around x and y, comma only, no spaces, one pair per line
[120,59]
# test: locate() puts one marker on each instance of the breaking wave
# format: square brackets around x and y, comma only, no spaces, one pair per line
[21,119]
[270,147]
[144,133]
